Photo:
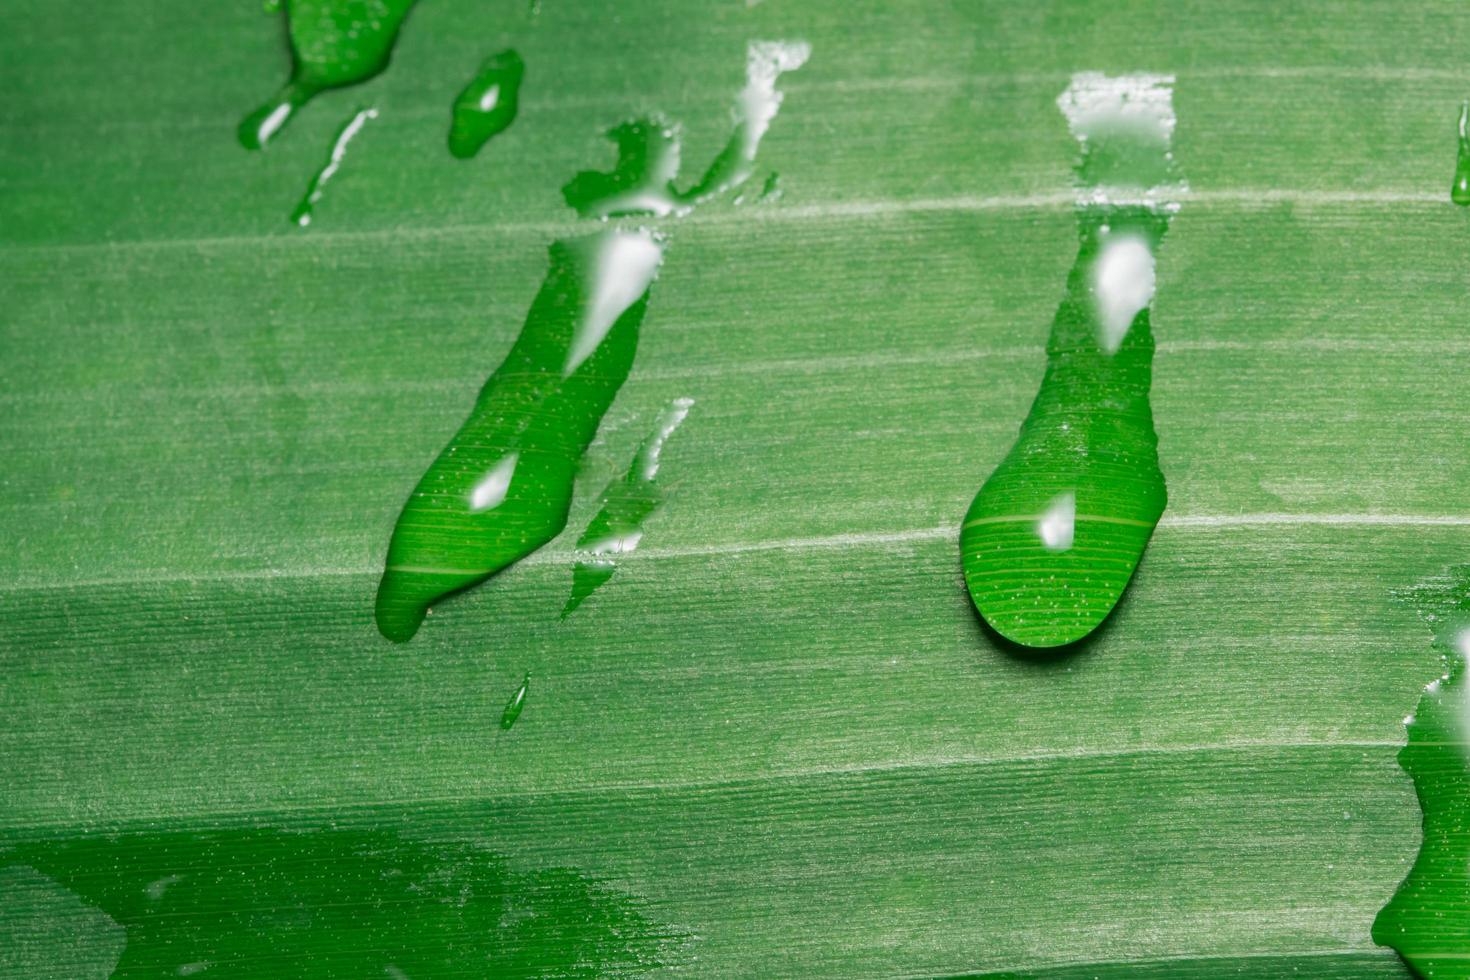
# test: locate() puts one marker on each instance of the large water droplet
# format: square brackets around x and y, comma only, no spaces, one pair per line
[334,43]
[1051,540]
[473,513]
[1417,921]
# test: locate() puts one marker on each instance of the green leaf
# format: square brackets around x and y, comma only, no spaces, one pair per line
[779,730]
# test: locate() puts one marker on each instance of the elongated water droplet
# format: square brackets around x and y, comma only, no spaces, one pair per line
[502,487]
[488,104]
[1460,189]
[302,214]
[642,182]
[1053,536]
[515,705]
[624,507]
[1424,920]
[333,43]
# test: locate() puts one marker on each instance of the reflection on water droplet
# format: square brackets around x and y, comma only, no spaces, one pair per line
[1414,922]
[1057,526]
[1123,284]
[488,104]
[624,507]
[334,43]
[1460,189]
[302,214]
[348,903]
[516,704]
[492,488]
[1053,536]
[543,404]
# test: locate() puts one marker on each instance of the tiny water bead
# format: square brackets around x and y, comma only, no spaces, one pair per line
[1425,920]
[625,505]
[1052,538]
[334,43]
[1460,189]
[302,214]
[502,487]
[515,705]
[488,104]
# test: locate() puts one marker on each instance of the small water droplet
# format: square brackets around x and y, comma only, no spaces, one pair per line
[487,105]
[624,508]
[516,704]
[1460,189]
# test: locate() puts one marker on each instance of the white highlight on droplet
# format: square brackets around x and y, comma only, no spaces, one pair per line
[493,486]
[1137,109]
[671,419]
[1058,525]
[490,98]
[765,62]
[1122,285]
[621,271]
[1098,105]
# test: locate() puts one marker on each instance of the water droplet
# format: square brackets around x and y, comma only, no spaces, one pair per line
[302,215]
[488,104]
[515,705]
[1460,189]
[547,398]
[624,507]
[334,43]
[1437,758]
[642,181]
[543,404]
[1053,536]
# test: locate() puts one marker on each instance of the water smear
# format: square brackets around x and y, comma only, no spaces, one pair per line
[319,904]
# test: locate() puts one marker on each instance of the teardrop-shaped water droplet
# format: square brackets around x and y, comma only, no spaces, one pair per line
[1051,540]
[474,512]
